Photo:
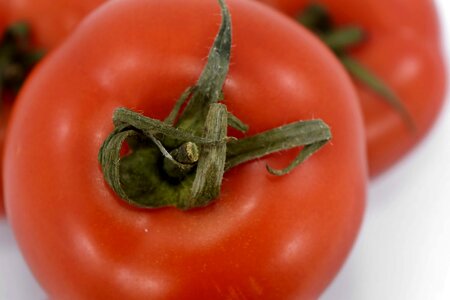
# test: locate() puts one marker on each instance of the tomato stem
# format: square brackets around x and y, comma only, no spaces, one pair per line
[17,57]
[343,38]
[184,160]
[211,164]
[375,84]
[340,39]
[182,163]
[301,133]
[209,86]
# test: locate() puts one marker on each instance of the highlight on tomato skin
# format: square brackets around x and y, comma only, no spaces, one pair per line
[264,236]
[402,47]
[48,23]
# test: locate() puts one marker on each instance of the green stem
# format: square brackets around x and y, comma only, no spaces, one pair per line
[154,127]
[182,164]
[343,38]
[339,39]
[209,86]
[211,164]
[375,84]
[17,57]
[182,161]
[301,133]
[315,17]
[108,154]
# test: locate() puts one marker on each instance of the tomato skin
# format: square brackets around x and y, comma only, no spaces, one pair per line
[403,48]
[272,237]
[5,110]
[4,114]
[50,23]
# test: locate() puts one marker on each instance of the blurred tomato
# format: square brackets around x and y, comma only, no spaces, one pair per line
[402,47]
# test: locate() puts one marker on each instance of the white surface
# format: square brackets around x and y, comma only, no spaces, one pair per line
[403,251]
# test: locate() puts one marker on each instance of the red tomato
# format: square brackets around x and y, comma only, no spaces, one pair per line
[4,113]
[50,22]
[5,109]
[403,48]
[266,236]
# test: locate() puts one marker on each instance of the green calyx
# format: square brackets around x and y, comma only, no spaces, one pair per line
[17,57]
[180,162]
[340,39]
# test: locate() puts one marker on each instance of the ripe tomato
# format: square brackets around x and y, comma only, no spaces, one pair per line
[402,47]
[49,23]
[5,109]
[265,236]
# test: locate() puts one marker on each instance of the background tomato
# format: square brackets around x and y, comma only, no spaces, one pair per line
[403,48]
[50,22]
[5,109]
[277,237]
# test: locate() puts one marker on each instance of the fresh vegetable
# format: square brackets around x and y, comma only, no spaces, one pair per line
[5,109]
[276,237]
[29,29]
[50,21]
[393,52]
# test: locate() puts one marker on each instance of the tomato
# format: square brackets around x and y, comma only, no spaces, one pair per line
[402,47]
[265,236]
[49,23]
[5,109]
[3,112]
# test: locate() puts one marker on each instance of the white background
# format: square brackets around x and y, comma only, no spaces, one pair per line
[403,251]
